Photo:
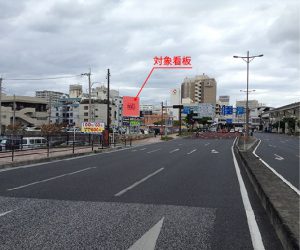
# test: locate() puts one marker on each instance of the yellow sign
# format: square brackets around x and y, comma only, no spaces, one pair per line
[92,127]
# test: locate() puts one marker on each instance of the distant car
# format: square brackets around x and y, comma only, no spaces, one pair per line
[231,130]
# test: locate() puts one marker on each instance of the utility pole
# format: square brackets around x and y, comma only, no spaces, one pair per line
[14,112]
[49,120]
[90,99]
[0,106]
[108,111]
[162,118]
[247,59]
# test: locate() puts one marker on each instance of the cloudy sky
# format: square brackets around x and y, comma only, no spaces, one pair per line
[67,37]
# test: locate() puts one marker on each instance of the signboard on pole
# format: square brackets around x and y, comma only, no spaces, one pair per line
[92,127]
[240,110]
[131,106]
[227,110]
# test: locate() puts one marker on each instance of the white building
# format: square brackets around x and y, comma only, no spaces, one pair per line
[175,99]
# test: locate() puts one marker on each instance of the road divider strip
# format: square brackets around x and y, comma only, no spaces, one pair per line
[138,182]
[49,179]
[274,171]
[252,224]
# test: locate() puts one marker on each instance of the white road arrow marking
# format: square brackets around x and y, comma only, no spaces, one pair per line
[214,151]
[278,157]
[148,240]
[2,214]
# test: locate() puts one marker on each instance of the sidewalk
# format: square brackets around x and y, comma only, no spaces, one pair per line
[41,155]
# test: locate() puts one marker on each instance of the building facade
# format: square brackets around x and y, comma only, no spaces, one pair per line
[50,96]
[28,111]
[200,89]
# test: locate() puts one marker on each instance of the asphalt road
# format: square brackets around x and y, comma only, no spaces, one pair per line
[281,152]
[181,194]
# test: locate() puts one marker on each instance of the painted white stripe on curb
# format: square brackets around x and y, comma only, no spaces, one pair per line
[138,182]
[275,172]
[253,227]
[50,179]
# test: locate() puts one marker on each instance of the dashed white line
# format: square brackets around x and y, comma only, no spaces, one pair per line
[138,182]
[192,151]
[143,149]
[5,213]
[177,149]
[253,227]
[153,151]
[275,172]
[206,144]
[49,179]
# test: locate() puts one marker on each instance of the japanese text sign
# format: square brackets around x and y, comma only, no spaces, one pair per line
[175,60]
[92,127]
[131,106]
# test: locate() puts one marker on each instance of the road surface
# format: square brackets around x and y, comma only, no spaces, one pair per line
[181,194]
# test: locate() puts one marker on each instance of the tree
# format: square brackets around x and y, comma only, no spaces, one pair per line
[49,129]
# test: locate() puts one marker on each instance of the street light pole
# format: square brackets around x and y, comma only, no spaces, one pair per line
[0,106]
[247,59]
[90,100]
[108,113]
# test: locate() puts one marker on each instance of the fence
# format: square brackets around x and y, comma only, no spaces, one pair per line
[59,144]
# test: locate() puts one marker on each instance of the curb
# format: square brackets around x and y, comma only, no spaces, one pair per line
[280,202]
[55,158]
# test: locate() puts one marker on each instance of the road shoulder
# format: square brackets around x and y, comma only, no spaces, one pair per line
[280,201]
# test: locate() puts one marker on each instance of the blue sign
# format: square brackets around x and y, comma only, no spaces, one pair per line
[186,110]
[227,110]
[228,121]
[240,110]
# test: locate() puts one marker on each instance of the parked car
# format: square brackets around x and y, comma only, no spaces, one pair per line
[33,142]
[9,144]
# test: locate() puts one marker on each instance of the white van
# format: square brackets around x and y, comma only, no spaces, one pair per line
[33,142]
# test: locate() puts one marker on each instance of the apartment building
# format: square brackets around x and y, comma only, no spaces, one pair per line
[199,89]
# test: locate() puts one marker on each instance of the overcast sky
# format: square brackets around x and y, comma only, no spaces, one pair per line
[66,37]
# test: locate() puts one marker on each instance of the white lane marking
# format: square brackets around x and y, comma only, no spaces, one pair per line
[206,144]
[192,151]
[5,213]
[138,182]
[278,157]
[272,146]
[179,144]
[143,149]
[253,227]
[275,172]
[49,179]
[148,240]
[282,141]
[153,151]
[174,150]
[133,150]
[213,151]
[68,159]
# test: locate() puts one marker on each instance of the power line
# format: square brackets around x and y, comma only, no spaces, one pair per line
[39,79]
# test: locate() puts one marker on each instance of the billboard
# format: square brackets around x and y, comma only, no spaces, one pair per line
[131,106]
[92,127]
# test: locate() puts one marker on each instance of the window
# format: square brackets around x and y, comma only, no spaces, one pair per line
[86,114]
[31,141]
[38,141]
[86,120]
[86,107]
